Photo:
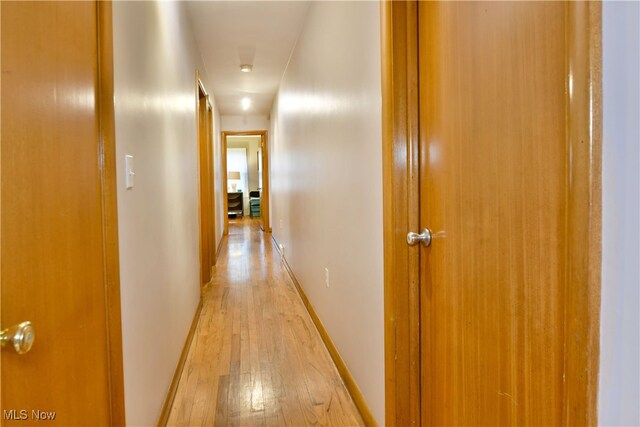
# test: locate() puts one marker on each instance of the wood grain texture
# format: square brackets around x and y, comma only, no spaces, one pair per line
[508,290]
[348,379]
[264,196]
[58,215]
[110,210]
[584,222]
[400,212]
[256,358]
[225,184]
[205,160]
[212,162]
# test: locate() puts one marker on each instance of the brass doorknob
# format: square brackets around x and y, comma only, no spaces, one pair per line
[20,336]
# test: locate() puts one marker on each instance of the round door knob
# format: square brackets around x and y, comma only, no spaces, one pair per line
[415,238]
[21,337]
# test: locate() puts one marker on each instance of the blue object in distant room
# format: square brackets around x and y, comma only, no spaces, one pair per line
[254,204]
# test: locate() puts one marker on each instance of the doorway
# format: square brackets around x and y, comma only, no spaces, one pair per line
[491,110]
[246,176]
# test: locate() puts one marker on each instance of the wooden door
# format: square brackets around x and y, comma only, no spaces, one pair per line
[501,151]
[206,188]
[55,268]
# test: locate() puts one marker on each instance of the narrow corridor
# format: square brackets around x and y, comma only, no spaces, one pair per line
[256,357]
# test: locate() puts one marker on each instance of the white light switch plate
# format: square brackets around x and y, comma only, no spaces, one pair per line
[129,172]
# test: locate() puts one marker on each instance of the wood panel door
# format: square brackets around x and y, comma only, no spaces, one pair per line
[502,188]
[207,250]
[57,211]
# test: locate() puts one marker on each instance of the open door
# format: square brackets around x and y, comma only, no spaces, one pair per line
[59,259]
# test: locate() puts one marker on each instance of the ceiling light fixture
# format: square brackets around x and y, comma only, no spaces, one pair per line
[246,103]
[246,68]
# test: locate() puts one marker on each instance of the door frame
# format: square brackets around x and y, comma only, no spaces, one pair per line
[206,186]
[401,156]
[264,197]
[210,133]
[107,154]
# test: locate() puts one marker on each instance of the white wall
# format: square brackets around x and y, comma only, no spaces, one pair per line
[326,181]
[244,123]
[155,61]
[619,326]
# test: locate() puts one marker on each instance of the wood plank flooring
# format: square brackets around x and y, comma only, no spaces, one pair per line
[256,357]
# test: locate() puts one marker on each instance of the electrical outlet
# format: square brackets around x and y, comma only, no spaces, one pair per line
[326,276]
[281,224]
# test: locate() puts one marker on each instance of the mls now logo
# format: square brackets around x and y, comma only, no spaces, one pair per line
[23,414]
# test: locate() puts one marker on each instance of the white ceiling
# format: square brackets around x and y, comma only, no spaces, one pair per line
[231,33]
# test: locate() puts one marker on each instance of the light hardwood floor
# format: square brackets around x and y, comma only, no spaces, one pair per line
[256,357]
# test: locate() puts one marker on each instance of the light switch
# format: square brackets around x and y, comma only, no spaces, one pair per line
[130,174]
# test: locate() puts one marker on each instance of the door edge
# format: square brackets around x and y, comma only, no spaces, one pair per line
[107,143]
[400,157]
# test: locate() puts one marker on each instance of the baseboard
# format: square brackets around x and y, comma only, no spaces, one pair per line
[275,243]
[266,230]
[219,248]
[171,394]
[348,379]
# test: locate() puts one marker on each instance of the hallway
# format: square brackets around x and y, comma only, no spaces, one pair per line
[256,358]
[448,193]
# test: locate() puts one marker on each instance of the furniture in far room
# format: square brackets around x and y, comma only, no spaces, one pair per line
[254,204]
[235,203]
